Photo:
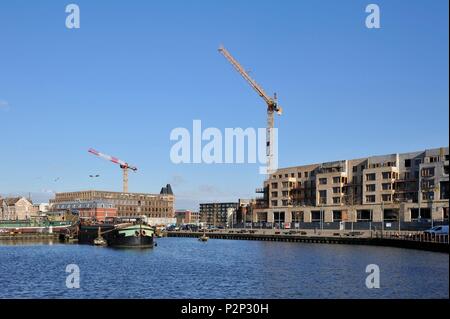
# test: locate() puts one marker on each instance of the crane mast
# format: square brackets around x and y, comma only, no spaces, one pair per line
[122,164]
[272,105]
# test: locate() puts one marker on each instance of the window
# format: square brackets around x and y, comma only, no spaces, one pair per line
[274,203]
[306,174]
[428,183]
[406,175]
[274,194]
[285,184]
[336,180]
[292,175]
[370,198]
[387,197]
[322,181]
[428,172]
[386,186]
[445,190]
[355,169]
[336,190]
[387,175]
[285,202]
[285,175]
[285,193]
[336,200]
[433,159]
[370,177]
[337,215]
[315,215]
[363,215]
[275,185]
[370,188]
[299,174]
[407,162]
[428,196]
[417,161]
[446,169]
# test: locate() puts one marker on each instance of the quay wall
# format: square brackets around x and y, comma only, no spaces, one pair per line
[439,245]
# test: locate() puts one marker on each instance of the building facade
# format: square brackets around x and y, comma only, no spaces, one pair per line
[405,187]
[16,208]
[95,209]
[217,214]
[185,216]
[158,206]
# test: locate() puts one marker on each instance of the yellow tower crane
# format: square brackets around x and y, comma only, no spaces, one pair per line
[272,105]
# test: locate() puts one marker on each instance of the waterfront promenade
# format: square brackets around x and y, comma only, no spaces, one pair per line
[413,240]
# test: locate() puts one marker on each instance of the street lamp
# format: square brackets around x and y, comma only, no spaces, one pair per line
[382,217]
[321,216]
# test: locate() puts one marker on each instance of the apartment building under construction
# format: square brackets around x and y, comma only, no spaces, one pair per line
[396,187]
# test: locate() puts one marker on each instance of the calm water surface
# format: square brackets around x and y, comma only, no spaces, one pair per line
[187,268]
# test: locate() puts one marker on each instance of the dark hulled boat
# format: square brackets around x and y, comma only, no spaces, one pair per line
[137,235]
[116,234]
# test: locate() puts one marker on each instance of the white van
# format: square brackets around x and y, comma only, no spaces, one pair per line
[437,230]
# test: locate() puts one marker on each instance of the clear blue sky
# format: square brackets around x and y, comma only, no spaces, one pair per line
[137,69]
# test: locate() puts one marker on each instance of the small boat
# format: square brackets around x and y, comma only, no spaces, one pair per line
[100,241]
[203,237]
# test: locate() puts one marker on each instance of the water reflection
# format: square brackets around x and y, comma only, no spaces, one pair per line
[187,268]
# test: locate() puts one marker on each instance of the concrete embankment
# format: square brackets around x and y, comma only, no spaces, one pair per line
[336,238]
[28,236]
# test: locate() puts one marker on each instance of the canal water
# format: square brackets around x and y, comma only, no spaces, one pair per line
[188,268]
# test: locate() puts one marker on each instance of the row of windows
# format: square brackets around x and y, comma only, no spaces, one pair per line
[356,168]
[384,198]
[384,186]
[384,175]
[336,180]
[145,209]
[299,175]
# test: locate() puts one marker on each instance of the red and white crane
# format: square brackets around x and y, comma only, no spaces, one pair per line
[123,165]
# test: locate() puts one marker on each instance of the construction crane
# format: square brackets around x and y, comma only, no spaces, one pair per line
[272,105]
[123,165]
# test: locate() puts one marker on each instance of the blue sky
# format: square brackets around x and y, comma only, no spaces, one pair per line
[135,70]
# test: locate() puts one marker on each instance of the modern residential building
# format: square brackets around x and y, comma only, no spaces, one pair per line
[394,187]
[156,206]
[97,209]
[16,208]
[217,214]
[185,216]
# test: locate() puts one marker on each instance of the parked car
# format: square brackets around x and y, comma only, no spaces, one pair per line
[437,230]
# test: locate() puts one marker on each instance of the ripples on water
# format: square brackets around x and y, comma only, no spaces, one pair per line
[187,268]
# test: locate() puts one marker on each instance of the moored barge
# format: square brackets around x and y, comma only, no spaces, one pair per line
[134,234]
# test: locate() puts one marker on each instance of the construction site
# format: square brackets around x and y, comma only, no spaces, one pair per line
[376,191]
